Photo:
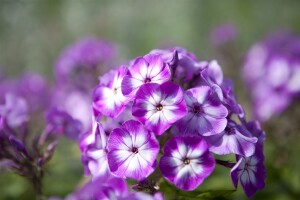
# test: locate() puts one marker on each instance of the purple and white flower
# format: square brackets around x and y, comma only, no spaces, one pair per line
[101,188]
[206,115]
[15,110]
[60,122]
[94,152]
[159,106]
[271,72]
[186,161]
[107,96]
[251,172]
[234,139]
[81,61]
[148,69]
[132,151]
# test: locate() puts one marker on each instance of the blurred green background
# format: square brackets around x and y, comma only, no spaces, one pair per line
[32,34]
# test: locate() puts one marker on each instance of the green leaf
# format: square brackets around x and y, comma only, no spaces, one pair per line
[171,192]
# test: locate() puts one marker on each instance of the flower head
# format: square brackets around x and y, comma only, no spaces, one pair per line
[62,123]
[251,172]
[271,72]
[15,110]
[101,188]
[132,151]
[79,63]
[107,96]
[94,152]
[159,106]
[206,114]
[147,69]
[186,162]
[234,139]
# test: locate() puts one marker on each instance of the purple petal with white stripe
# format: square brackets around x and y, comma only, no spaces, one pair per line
[159,106]
[234,139]
[186,161]
[132,151]
[206,115]
[151,69]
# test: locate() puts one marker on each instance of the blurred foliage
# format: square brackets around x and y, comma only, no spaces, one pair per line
[32,34]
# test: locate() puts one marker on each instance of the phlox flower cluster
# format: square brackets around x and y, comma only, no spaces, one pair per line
[163,117]
[271,72]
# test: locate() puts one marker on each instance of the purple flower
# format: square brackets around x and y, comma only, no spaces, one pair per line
[159,106]
[15,110]
[206,115]
[107,97]
[79,63]
[101,188]
[186,162]
[212,73]
[148,69]
[132,151]
[271,72]
[94,153]
[223,33]
[234,139]
[229,99]
[75,102]
[251,172]
[34,88]
[62,123]
[30,86]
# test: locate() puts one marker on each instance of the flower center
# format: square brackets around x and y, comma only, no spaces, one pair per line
[115,91]
[134,150]
[159,107]
[229,130]
[147,80]
[186,161]
[197,109]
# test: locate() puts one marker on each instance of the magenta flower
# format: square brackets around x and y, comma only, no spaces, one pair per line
[186,162]
[132,151]
[234,139]
[107,96]
[206,115]
[159,106]
[148,69]
[251,172]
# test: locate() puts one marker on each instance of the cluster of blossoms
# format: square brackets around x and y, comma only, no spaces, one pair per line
[272,71]
[161,119]
[27,143]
